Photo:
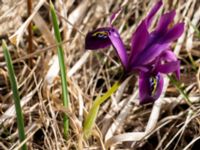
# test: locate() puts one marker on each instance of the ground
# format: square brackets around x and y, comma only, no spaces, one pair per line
[90,74]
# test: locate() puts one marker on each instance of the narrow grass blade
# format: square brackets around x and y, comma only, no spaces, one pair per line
[62,67]
[20,120]
[195,29]
[92,115]
[179,88]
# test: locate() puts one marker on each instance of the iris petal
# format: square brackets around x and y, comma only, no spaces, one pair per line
[173,34]
[144,88]
[169,56]
[164,22]
[119,46]
[141,37]
[150,87]
[98,39]
[152,13]
[104,37]
[169,67]
[150,54]
[139,40]
[159,86]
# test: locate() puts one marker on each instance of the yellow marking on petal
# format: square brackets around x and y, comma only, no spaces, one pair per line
[154,85]
[100,33]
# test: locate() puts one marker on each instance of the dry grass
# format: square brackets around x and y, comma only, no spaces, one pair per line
[90,74]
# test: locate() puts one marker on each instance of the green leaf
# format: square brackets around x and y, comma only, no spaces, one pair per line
[65,96]
[20,120]
[92,115]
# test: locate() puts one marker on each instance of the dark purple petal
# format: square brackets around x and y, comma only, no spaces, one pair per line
[104,37]
[173,34]
[144,88]
[141,37]
[152,13]
[98,39]
[119,47]
[150,87]
[169,67]
[164,22]
[150,54]
[159,86]
[139,40]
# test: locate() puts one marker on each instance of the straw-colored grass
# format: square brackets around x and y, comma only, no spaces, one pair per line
[170,123]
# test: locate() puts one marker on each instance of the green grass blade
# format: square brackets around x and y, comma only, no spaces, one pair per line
[92,115]
[195,29]
[20,120]
[179,88]
[62,67]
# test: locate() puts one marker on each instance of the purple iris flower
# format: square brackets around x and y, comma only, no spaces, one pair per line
[150,55]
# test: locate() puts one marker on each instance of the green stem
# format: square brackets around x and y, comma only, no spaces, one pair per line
[92,115]
[11,73]
[62,68]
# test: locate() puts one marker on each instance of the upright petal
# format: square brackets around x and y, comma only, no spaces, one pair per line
[150,87]
[139,41]
[164,22]
[98,39]
[173,34]
[141,37]
[153,12]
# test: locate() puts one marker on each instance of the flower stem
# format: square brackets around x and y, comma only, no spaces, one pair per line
[92,115]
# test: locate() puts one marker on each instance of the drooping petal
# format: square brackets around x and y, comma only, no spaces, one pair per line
[159,86]
[139,40]
[169,67]
[104,37]
[152,13]
[164,22]
[150,87]
[173,34]
[119,47]
[98,39]
[150,54]
[144,88]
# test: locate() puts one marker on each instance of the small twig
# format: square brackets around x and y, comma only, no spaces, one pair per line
[37,52]
[30,34]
